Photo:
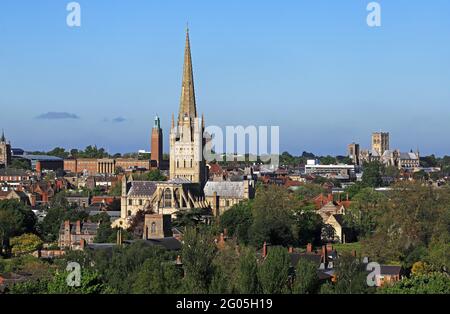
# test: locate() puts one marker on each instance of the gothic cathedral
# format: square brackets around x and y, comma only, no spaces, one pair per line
[186,135]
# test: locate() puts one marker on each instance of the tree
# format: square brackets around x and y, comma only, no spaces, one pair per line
[432,283]
[412,217]
[91,283]
[306,278]
[105,234]
[247,277]
[273,273]
[350,275]
[20,164]
[58,152]
[272,212]
[238,220]
[189,218]
[308,191]
[372,174]
[363,211]
[197,255]
[15,219]
[25,243]
[157,276]
[308,226]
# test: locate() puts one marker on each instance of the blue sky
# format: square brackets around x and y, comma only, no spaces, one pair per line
[312,67]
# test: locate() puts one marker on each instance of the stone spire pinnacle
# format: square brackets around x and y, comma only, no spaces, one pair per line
[3,139]
[187,103]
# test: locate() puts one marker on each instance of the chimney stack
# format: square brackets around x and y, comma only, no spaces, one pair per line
[264,253]
[324,254]
[78,227]
[221,242]
[329,247]
[291,249]
[119,237]
[309,248]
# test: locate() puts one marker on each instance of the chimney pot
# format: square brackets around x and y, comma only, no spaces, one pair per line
[264,249]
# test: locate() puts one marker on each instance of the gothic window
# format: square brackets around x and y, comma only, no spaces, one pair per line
[191,163]
[129,213]
[178,164]
[140,202]
[184,163]
[167,198]
[153,228]
[130,202]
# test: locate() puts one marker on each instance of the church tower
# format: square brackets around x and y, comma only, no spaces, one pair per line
[5,151]
[186,135]
[157,143]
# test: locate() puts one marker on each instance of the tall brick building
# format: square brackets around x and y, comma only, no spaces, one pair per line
[157,143]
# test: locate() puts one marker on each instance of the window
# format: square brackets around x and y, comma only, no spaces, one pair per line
[167,198]
[153,228]
[130,202]
[129,213]
[140,202]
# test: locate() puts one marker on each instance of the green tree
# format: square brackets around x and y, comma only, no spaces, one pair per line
[20,164]
[25,243]
[197,254]
[372,174]
[157,276]
[91,283]
[306,278]
[363,211]
[350,275]
[238,220]
[433,283]
[247,277]
[272,212]
[273,274]
[308,226]
[15,219]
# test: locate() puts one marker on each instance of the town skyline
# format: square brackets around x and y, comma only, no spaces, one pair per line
[113,91]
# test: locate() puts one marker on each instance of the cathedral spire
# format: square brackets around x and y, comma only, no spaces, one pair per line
[187,102]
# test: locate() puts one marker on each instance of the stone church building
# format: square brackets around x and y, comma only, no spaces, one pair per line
[187,168]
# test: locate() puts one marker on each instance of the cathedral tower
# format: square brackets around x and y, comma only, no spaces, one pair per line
[186,135]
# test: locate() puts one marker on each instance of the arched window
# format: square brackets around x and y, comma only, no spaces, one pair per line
[153,228]
[178,163]
[191,163]
[167,198]
[129,213]
[184,163]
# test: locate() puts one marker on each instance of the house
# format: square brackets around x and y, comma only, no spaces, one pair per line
[342,233]
[76,235]
[15,195]
[388,274]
